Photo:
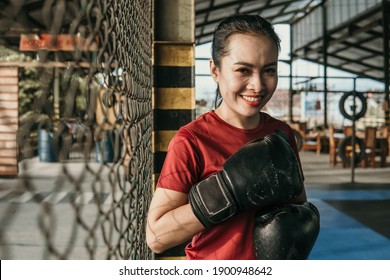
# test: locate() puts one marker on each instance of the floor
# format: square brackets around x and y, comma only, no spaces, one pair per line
[354,207]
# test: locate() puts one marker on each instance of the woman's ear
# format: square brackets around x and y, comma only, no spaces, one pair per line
[213,70]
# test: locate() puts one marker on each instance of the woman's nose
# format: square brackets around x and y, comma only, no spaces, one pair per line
[256,83]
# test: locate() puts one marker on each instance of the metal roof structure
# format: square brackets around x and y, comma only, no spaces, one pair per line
[210,12]
[17,17]
[355,33]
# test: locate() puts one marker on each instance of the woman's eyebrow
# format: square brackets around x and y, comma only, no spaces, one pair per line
[274,63]
[244,64]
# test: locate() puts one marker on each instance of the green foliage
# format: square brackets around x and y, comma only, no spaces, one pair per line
[29,90]
[9,55]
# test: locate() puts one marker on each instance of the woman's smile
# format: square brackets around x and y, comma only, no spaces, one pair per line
[252,100]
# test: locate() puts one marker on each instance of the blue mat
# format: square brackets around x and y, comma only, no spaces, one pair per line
[342,237]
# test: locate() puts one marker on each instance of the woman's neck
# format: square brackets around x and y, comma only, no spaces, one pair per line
[239,121]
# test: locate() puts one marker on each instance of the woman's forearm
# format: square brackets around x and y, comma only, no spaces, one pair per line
[171,228]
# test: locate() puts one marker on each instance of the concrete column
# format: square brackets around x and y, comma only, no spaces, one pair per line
[174,78]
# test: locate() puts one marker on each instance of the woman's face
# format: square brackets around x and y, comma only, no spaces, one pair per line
[247,76]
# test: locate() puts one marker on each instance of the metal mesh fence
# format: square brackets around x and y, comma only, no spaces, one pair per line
[84,133]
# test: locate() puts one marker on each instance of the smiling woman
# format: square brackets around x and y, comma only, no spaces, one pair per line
[247,80]
[226,169]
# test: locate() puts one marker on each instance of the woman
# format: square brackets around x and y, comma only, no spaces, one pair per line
[244,65]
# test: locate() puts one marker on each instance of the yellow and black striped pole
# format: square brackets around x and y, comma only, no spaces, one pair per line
[173,95]
[174,79]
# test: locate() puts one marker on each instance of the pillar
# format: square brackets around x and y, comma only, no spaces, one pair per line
[386,59]
[174,78]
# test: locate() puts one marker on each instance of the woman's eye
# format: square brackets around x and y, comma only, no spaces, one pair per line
[270,71]
[243,70]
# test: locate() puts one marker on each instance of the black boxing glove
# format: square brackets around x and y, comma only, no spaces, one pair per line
[286,232]
[261,173]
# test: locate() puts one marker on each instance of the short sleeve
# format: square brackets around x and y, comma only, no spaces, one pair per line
[181,166]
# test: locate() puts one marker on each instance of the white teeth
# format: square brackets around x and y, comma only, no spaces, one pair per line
[251,99]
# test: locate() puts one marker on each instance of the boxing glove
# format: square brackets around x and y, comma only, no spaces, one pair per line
[286,232]
[261,173]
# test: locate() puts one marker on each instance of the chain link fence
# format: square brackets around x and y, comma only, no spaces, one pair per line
[84,132]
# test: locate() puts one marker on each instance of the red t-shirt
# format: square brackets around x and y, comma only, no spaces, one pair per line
[199,150]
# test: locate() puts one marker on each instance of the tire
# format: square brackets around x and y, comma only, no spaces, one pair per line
[344,155]
[343,102]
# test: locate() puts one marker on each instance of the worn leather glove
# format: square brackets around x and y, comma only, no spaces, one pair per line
[286,232]
[263,172]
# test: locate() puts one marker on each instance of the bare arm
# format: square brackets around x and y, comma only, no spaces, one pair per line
[170,220]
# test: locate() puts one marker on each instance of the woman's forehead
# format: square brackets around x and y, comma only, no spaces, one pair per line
[243,45]
[239,38]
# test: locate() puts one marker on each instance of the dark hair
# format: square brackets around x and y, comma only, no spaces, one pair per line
[238,24]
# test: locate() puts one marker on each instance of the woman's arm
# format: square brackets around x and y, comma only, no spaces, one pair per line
[170,220]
